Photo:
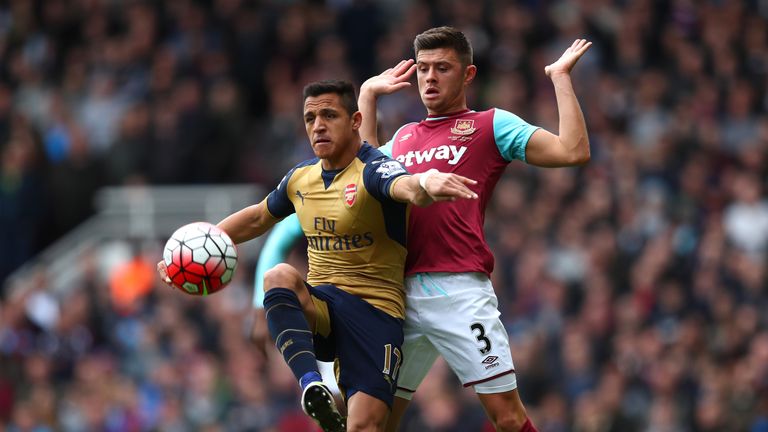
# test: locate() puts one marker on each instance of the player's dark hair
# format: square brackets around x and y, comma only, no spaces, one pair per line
[344,89]
[445,37]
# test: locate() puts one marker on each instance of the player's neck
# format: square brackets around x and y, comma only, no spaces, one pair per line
[342,160]
[448,110]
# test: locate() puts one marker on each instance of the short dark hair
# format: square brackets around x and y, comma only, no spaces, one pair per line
[344,89]
[445,37]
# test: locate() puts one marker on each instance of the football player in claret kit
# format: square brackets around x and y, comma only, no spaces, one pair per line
[449,262]
[352,204]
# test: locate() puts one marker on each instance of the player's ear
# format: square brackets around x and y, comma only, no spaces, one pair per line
[357,120]
[469,74]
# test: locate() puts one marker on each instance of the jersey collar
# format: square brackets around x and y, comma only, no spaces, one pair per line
[329,175]
[447,115]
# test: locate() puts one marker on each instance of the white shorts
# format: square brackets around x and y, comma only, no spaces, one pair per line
[455,315]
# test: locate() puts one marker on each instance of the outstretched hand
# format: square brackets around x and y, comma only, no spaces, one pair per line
[391,80]
[449,187]
[568,60]
[162,270]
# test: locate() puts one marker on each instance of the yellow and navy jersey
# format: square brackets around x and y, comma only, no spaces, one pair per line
[355,230]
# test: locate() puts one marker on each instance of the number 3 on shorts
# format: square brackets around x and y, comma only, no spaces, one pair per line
[388,353]
[480,336]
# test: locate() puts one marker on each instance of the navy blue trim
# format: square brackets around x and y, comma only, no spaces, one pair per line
[278,202]
[328,176]
[395,220]
[394,212]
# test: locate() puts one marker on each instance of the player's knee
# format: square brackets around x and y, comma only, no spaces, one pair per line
[282,276]
[399,406]
[368,423]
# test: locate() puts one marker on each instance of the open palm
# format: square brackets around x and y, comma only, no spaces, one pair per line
[391,80]
[568,60]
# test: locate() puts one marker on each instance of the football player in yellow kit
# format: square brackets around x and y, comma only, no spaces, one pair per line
[352,203]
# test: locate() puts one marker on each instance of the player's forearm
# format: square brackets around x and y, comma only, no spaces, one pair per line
[367,105]
[573,129]
[247,223]
[408,189]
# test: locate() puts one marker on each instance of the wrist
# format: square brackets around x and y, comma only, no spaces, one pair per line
[423,177]
[367,93]
[560,75]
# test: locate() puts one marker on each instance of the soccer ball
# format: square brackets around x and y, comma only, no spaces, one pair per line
[200,258]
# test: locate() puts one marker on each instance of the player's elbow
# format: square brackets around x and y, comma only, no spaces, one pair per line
[580,155]
[584,155]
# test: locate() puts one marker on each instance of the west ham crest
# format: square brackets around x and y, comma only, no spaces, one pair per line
[463,127]
[350,193]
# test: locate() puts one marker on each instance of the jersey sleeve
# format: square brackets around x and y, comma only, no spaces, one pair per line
[278,202]
[275,250]
[387,149]
[379,175]
[512,134]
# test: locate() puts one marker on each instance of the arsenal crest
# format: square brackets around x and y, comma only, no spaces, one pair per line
[463,127]
[350,193]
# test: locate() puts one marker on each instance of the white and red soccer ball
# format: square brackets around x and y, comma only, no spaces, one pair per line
[200,258]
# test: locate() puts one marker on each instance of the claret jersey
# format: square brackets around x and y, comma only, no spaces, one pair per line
[448,236]
[355,230]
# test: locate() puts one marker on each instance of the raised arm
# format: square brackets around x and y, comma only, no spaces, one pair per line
[571,146]
[389,81]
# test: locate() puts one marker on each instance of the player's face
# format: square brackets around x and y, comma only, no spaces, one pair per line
[332,131]
[442,80]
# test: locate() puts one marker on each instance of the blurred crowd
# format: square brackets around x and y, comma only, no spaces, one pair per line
[633,289]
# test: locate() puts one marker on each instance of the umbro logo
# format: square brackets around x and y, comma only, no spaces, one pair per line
[405,137]
[491,362]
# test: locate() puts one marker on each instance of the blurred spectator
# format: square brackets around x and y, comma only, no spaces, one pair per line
[23,196]
[126,161]
[130,282]
[746,218]
[74,182]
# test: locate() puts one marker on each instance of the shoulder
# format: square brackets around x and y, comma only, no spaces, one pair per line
[278,201]
[368,154]
[484,113]
[403,132]
[499,112]
[300,167]
[405,129]
[306,163]
[502,116]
